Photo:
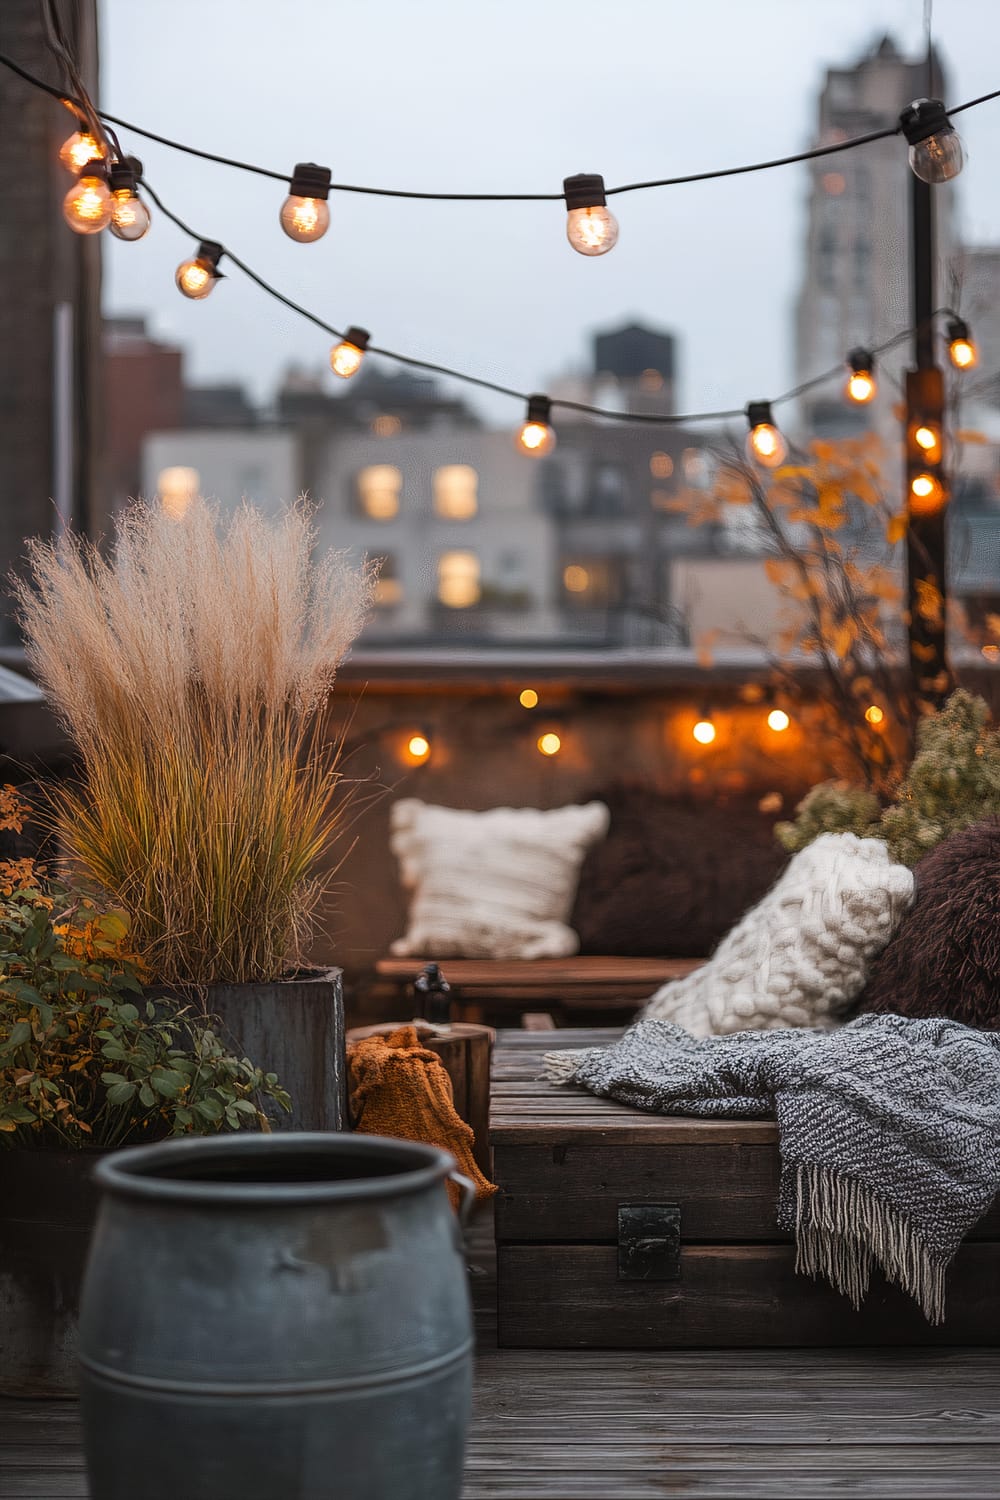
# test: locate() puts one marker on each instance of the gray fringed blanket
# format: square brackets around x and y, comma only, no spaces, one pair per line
[889,1131]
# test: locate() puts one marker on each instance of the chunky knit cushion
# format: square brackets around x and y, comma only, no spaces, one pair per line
[944,959]
[497,884]
[798,958]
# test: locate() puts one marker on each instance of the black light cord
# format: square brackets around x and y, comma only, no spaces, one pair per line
[346,187]
[635,418]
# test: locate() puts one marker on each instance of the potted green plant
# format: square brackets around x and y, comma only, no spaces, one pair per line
[87,1063]
[192,669]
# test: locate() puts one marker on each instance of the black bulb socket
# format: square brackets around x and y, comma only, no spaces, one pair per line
[759,414]
[540,410]
[310,181]
[585,190]
[958,328]
[210,252]
[358,337]
[122,175]
[861,361]
[924,118]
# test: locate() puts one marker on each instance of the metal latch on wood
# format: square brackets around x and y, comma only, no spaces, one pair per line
[649,1242]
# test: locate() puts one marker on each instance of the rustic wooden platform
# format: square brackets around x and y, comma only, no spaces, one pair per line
[911,1424]
[585,982]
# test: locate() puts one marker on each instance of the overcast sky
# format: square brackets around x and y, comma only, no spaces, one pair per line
[498,95]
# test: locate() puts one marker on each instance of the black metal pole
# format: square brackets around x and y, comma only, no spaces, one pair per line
[926,560]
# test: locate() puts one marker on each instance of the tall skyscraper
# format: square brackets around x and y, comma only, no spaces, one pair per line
[856,279]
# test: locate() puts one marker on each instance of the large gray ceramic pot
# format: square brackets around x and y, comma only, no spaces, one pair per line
[279,1317]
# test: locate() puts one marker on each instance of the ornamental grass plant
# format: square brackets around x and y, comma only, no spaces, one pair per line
[192,669]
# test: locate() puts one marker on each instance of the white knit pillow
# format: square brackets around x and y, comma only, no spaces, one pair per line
[497,884]
[799,957]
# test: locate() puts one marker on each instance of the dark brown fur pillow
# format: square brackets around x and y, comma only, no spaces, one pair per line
[944,957]
[673,875]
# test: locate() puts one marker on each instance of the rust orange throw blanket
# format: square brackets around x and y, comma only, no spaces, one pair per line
[401,1089]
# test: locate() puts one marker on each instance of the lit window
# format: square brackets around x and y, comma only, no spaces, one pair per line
[834,183]
[379,488]
[388,585]
[576,579]
[459,579]
[456,492]
[177,487]
[694,465]
[651,380]
[661,466]
[385,426]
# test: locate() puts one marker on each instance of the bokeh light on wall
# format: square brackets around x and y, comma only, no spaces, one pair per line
[661,466]
[874,714]
[177,487]
[704,731]
[778,720]
[576,579]
[418,749]
[549,744]
[528,698]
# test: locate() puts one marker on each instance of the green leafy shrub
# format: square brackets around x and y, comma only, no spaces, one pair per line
[85,1059]
[953,781]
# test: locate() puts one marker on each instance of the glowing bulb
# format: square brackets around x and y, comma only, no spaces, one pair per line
[305,214]
[346,357]
[991,652]
[928,439]
[196,278]
[549,744]
[861,385]
[778,720]
[764,443]
[961,350]
[80,148]
[704,731]
[874,714]
[936,153]
[129,216]
[536,436]
[418,747]
[88,204]
[591,228]
[926,494]
[528,698]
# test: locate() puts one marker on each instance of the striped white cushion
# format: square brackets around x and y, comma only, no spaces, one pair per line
[496,884]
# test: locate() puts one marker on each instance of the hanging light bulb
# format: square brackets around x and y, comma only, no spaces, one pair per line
[129,215]
[418,749]
[536,436]
[778,720]
[936,153]
[765,445]
[591,228]
[528,698]
[927,437]
[874,714]
[88,204]
[961,350]
[79,149]
[704,730]
[926,494]
[861,386]
[196,278]
[305,214]
[346,357]
[549,744]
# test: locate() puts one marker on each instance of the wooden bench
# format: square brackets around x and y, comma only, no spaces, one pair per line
[581,983]
[621,1229]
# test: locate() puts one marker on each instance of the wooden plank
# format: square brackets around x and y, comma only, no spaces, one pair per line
[747,1296]
[593,970]
[601,1480]
[726,1190]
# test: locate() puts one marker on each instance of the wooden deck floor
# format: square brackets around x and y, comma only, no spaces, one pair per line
[912,1425]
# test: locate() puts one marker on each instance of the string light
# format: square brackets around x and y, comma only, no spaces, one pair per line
[928,438]
[549,744]
[936,153]
[874,714]
[418,748]
[87,206]
[778,720]
[536,435]
[79,149]
[305,213]
[861,386]
[129,215]
[591,227]
[196,278]
[961,350]
[704,730]
[926,494]
[346,357]
[764,442]
[528,698]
